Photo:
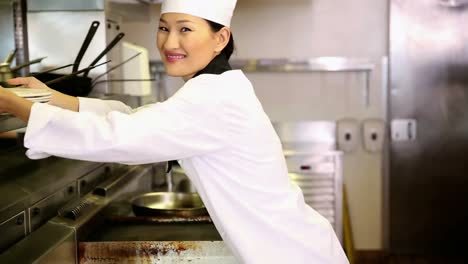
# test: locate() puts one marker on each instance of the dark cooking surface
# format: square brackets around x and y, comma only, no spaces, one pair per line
[122,225]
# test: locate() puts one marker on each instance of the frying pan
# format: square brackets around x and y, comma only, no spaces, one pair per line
[73,84]
[168,204]
[70,84]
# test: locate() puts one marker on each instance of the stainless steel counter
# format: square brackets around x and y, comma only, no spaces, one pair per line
[32,191]
[8,123]
[201,252]
[24,182]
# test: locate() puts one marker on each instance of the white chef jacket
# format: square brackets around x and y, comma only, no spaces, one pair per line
[217,129]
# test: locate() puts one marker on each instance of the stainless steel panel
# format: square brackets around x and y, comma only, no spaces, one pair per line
[306,132]
[47,208]
[428,205]
[88,182]
[8,123]
[60,5]
[306,164]
[12,230]
[52,243]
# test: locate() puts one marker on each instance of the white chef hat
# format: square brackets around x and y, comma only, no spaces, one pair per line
[219,11]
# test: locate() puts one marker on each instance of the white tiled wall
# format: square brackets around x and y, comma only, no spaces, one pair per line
[310,28]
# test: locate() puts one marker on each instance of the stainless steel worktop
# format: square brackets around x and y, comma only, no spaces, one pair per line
[32,191]
[24,182]
[9,122]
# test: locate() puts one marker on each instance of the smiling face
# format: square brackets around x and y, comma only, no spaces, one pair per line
[187,44]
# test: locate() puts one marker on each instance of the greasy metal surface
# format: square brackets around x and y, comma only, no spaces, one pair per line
[12,230]
[55,242]
[120,179]
[42,178]
[48,207]
[89,181]
[153,231]
[159,219]
[9,122]
[168,203]
[154,252]
[51,243]
[429,83]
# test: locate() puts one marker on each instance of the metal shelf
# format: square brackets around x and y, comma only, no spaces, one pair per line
[9,123]
[320,64]
[311,65]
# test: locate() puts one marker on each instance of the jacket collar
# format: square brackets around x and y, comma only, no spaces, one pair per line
[217,66]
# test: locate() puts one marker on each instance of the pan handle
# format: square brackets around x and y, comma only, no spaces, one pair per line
[92,30]
[10,57]
[115,67]
[65,77]
[27,64]
[106,50]
[52,70]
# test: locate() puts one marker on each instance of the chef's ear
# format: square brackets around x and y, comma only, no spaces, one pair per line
[222,38]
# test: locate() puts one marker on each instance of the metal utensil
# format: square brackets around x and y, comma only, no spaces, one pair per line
[115,67]
[91,32]
[168,204]
[51,70]
[6,72]
[73,74]
[106,50]
[18,67]
[10,57]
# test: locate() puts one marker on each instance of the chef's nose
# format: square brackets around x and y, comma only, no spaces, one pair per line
[172,41]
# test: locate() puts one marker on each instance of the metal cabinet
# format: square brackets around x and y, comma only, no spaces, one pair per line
[48,207]
[315,166]
[319,175]
[12,230]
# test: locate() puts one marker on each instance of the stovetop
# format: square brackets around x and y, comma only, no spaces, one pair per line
[121,224]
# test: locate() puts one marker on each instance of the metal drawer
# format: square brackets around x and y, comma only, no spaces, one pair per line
[48,207]
[311,164]
[12,230]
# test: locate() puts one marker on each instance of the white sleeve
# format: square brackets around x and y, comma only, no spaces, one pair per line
[102,107]
[175,129]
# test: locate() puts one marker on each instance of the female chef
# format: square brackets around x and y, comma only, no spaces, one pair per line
[214,125]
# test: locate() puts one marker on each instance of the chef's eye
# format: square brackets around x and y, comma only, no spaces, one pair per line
[163,29]
[185,29]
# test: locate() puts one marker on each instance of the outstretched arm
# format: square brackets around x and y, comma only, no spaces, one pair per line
[11,103]
[58,99]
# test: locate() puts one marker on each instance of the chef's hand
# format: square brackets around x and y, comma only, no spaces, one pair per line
[11,103]
[58,99]
[28,82]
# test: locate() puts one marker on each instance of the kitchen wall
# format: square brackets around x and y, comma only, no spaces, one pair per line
[303,29]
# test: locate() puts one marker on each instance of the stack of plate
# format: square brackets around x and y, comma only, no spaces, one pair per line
[33,95]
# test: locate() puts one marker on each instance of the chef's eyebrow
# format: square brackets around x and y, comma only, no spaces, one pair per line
[178,21]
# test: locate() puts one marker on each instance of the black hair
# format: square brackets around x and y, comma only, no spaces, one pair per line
[229,49]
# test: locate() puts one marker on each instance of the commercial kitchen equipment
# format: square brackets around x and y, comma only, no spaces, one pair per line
[315,166]
[102,41]
[426,203]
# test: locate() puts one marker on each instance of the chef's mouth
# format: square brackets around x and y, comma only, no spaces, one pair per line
[174,57]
